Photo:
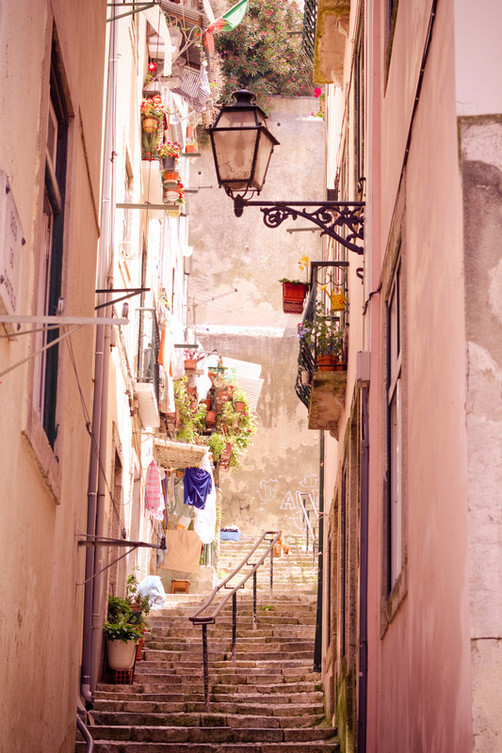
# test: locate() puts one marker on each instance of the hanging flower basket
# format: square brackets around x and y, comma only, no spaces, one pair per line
[293,296]
[150,125]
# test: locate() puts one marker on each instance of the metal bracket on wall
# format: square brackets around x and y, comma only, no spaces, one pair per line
[136,8]
[105,541]
[329,216]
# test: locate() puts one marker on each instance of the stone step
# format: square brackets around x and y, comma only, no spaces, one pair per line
[114,746]
[283,717]
[218,696]
[216,734]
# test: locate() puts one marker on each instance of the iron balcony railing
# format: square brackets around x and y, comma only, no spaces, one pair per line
[325,278]
[209,611]
[147,369]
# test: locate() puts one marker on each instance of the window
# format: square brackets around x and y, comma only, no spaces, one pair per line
[51,253]
[390,23]
[359,108]
[394,424]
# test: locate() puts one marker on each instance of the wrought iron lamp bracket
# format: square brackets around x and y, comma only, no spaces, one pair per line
[329,216]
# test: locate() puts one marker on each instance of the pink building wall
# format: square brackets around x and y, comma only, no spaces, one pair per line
[419,671]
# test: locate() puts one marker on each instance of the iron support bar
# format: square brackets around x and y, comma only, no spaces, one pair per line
[329,216]
[142,6]
[234,625]
[255,623]
[205,664]
[130,294]
[60,320]
[105,541]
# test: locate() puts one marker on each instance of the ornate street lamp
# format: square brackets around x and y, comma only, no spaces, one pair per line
[242,147]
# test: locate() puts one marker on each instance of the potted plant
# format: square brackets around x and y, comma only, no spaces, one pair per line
[153,117]
[325,338]
[169,154]
[140,605]
[122,631]
[293,295]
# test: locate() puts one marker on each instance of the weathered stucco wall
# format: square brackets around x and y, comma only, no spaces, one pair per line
[481,143]
[43,496]
[243,254]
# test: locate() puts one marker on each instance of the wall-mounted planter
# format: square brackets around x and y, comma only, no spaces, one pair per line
[293,295]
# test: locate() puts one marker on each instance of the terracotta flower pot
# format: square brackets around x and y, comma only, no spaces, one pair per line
[210,418]
[293,295]
[240,406]
[326,363]
[190,364]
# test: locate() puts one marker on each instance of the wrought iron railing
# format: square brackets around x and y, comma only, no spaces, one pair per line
[309,26]
[208,612]
[331,281]
[310,525]
[147,365]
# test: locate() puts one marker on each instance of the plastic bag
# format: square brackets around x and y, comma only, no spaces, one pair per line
[152,587]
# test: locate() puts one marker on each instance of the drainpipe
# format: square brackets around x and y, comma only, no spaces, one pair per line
[98,430]
[363,585]
[318,627]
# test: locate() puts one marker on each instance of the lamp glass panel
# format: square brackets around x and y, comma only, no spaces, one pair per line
[234,151]
[265,147]
[235,118]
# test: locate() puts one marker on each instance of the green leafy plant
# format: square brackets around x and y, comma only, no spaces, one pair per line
[216,444]
[322,334]
[122,622]
[230,427]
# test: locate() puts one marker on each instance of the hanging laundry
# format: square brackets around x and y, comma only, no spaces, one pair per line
[154,497]
[205,520]
[183,551]
[197,485]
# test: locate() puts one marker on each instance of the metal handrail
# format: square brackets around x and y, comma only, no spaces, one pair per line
[198,618]
[310,528]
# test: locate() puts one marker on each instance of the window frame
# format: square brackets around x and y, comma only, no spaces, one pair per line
[46,369]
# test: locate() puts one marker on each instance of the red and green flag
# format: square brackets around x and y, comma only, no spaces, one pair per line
[227,22]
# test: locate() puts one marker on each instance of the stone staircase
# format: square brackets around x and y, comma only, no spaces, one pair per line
[268,701]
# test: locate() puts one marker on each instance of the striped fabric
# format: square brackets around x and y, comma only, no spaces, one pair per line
[154,497]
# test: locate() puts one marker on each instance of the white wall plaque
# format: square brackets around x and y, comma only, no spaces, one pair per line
[11,245]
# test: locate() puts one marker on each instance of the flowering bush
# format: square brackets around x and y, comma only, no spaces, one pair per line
[170,150]
[262,54]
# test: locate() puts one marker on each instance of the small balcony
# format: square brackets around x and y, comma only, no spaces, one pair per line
[322,359]
[147,367]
